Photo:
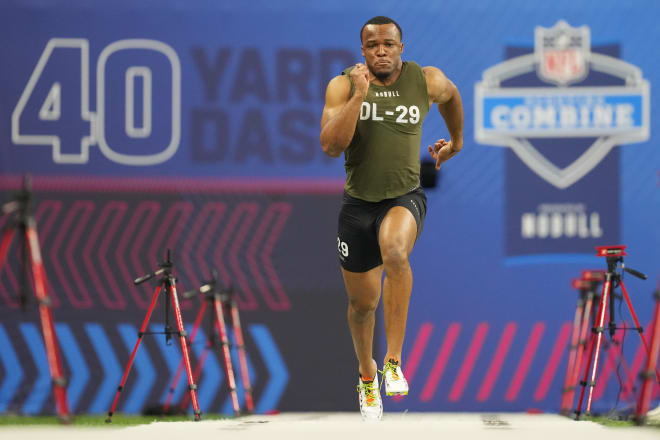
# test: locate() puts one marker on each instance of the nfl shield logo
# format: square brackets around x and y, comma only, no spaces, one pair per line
[562,53]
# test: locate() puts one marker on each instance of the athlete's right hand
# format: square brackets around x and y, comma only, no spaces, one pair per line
[360,78]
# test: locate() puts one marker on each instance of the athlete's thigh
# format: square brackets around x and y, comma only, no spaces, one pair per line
[363,288]
[398,230]
[402,223]
[357,242]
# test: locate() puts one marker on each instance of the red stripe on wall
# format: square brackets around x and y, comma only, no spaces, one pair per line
[441,361]
[423,335]
[468,362]
[496,364]
[553,362]
[525,361]
[419,347]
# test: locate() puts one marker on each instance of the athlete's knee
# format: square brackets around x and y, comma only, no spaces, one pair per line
[395,256]
[362,307]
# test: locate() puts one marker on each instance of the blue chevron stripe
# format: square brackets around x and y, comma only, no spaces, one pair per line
[212,376]
[227,407]
[146,373]
[111,369]
[279,375]
[13,371]
[42,385]
[172,355]
[76,362]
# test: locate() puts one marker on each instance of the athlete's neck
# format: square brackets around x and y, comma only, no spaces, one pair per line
[387,81]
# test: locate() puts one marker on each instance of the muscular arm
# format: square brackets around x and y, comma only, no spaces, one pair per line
[340,115]
[443,92]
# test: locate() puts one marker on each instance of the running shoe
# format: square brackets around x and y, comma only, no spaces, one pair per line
[371,405]
[395,383]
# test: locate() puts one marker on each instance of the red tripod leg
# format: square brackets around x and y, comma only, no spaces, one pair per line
[242,358]
[47,327]
[197,373]
[575,335]
[184,351]
[224,342]
[583,382]
[5,244]
[651,363]
[611,353]
[177,376]
[582,343]
[127,370]
[592,343]
[599,337]
[7,237]
[634,316]
[202,358]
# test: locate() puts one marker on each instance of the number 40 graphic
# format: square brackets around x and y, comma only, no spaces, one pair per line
[51,109]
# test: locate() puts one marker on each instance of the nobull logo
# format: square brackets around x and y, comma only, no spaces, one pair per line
[610,115]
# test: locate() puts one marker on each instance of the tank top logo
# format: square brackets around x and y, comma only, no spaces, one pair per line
[388,94]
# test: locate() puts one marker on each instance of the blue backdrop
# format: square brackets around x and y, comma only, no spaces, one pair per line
[199,99]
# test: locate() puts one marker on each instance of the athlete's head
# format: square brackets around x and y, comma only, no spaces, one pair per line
[382,46]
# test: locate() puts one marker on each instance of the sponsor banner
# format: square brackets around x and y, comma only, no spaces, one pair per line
[562,108]
[132,99]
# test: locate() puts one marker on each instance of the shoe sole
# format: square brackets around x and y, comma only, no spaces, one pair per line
[394,393]
[372,419]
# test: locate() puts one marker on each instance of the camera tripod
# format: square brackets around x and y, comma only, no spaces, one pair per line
[651,364]
[167,283]
[218,301]
[23,221]
[587,287]
[614,256]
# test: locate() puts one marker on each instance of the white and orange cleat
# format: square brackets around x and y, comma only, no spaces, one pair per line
[371,405]
[395,383]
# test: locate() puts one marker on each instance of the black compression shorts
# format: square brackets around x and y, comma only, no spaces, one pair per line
[359,223]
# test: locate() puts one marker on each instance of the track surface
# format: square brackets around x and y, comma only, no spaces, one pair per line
[345,426]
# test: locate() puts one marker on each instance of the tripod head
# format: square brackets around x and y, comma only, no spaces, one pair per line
[597,275]
[20,203]
[19,210]
[588,282]
[581,285]
[165,270]
[211,288]
[614,256]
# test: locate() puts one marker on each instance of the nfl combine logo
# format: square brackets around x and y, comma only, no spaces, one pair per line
[561,107]
[508,116]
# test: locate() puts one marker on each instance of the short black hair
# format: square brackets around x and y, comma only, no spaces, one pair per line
[382,20]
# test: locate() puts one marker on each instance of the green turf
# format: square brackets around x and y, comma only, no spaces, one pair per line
[123,420]
[620,423]
[118,420]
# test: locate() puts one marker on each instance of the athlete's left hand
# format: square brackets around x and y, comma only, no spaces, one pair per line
[442,151]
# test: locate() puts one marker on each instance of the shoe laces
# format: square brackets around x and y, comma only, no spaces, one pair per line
[369,392]
[392,368]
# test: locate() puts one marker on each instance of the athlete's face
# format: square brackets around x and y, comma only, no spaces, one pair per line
[381,49]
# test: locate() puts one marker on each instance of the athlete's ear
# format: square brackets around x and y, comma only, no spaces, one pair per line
[362,52]
[401,47]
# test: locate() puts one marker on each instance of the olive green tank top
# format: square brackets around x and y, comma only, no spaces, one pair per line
[382,160]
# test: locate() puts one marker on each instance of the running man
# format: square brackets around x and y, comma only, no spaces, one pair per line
[373,114]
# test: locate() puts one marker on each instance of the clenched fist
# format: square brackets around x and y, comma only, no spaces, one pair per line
[360,78]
